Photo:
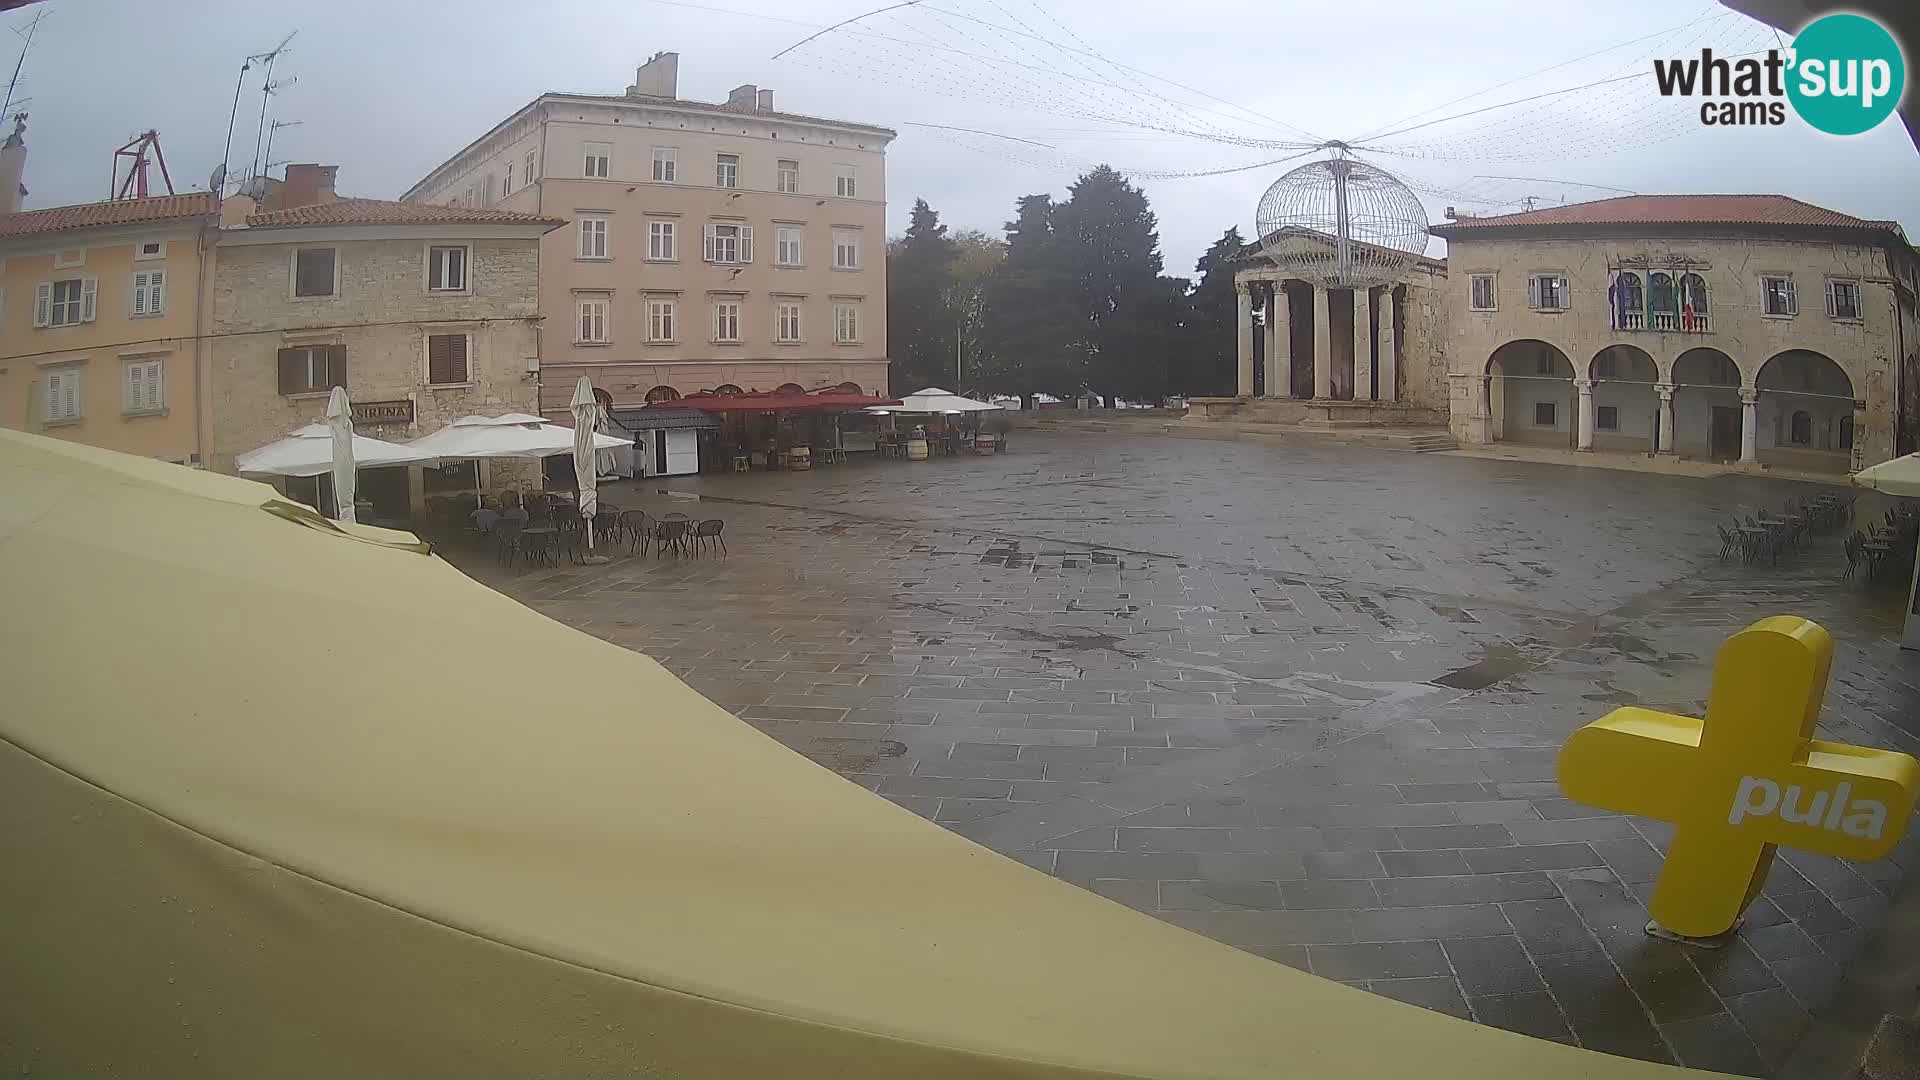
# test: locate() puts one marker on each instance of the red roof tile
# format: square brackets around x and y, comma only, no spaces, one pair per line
[115,212]
[1752,210]
[387,212]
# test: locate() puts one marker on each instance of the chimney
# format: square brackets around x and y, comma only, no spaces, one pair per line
[234,210]
[743,96]
[308,185]
[659,77]
[764,101]
[13,165]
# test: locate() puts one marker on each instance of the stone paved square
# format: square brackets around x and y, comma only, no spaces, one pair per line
[1303,699]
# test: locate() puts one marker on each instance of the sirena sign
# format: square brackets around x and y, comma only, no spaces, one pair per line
[1747,778]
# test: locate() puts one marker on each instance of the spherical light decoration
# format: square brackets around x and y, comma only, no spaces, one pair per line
[1342,223]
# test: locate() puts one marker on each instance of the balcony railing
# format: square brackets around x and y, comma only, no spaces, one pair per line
[1662,322]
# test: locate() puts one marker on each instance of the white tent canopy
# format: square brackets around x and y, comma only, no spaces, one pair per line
[515,435]
[309,452]
[935,400]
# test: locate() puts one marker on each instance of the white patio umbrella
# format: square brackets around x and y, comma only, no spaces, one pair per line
[309,452]
[586,467]
[1900,476]
[340,428]
[932,399]
[514,435]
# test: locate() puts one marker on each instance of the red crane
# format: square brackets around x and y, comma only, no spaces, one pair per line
[134,185]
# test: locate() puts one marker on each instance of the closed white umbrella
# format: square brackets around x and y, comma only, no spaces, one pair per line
[586,470]
[340,423]
[513,435]
[309,452]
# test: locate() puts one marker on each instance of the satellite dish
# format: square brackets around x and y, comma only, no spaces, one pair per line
[219,178]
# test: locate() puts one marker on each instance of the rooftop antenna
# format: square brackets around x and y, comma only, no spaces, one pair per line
[267,87]
[271,128]
[14,82]
[137,149]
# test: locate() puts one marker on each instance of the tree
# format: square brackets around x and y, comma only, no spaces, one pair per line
[977,257]
[1207,363]
[1122,304]
[1028,324]
[921,329]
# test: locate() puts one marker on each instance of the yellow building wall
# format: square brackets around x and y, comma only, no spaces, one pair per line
[100,350]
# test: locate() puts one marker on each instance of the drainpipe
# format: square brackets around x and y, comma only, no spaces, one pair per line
[202,348]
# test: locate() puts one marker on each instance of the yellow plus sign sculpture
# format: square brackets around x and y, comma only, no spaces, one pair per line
[1749,777]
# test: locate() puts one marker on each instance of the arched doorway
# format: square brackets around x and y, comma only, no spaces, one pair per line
[1804,418]
[849,388]
[789,388]
[1707,409]
[1530,395]
[1626,408]
[662,393]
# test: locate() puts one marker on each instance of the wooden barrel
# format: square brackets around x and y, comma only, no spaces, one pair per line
[800,457]
[916,449]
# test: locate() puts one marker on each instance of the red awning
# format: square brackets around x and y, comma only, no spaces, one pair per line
[775,402]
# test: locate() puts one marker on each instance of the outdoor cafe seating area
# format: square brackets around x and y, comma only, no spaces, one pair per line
[1877,550]
[528,528]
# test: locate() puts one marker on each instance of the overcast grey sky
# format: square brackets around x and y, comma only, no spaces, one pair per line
[389,89]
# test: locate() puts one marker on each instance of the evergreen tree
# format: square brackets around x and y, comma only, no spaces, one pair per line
[1207,363]
[921,327]
[1123,308]
[1028,319]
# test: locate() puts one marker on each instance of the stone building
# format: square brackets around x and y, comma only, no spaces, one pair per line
[424,313]
[710,245]
[1314,355]
[1744,328]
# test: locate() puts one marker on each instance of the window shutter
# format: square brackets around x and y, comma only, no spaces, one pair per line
[139,294]
[156,287]
[70,394]
[1793,301]
[135,397]
[457,362]
[88,288]
[708,249]
[1533,292]
[746,243]
[336,366]
[1833,300]
[153,398]
[439,359]
[290,364]
[42,303]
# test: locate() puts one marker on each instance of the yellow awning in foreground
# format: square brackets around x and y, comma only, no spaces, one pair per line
[285,801]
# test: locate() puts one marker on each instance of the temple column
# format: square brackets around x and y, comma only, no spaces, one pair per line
[1279,334]
[1362,345]
[1389,336]
[1243,296]
[1322,350]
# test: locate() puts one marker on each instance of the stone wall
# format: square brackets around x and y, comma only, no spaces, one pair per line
[382,313]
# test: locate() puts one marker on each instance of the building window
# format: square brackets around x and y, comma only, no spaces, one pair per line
[1693,302]
[142,392]
[1843,299]
[149,292]
[666,167]
[526,168]
[1604,366]
[662,393]
[660,320]
[66,302]
[63,394]
[447,268]
[786,245]
[661,241]
[786,323]
[846,323]
[312,369]
[506,179]
[845,181]
[151,249]
[1547,292]
[729,243]
[1543,363]
[315,272]
[1607,418]
[1846,432]
[787,177]
[593,238]
[1800,429]
[846,251]
[447,360]
[1629,302]
[1480,292]
[726,170]
[1777,297]
[599,161]
[1544,414]
[593,322]
[726,321]
[1722,372]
